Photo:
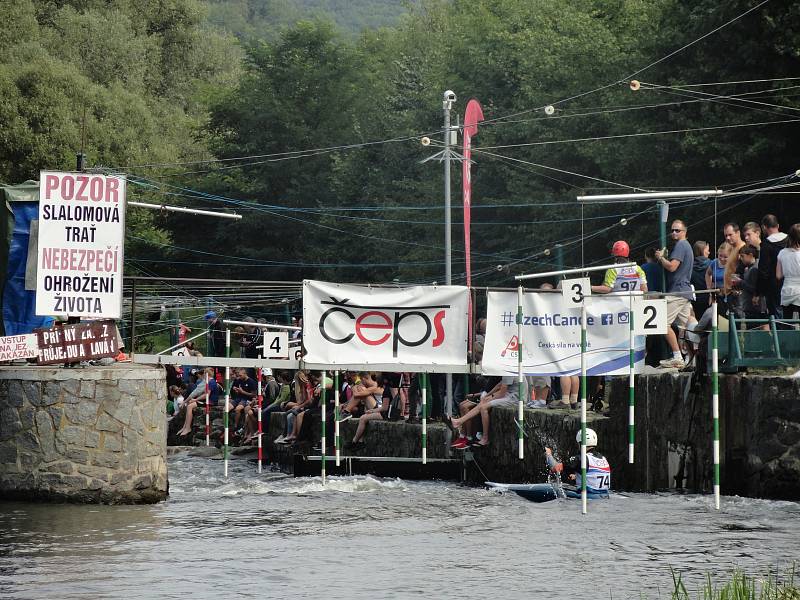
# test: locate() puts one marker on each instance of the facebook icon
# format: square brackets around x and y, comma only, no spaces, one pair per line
[606,319]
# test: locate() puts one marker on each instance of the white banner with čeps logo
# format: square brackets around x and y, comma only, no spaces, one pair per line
[361,325]
[551,335]
[81,235]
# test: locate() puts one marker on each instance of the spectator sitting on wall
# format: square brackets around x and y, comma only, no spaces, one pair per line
[243,390]
[303,398]
[275,399]
[198,395]
[470,427]
[504,394]
[376,413]
[367,394]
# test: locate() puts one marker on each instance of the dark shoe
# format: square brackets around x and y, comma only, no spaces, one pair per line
[449,422]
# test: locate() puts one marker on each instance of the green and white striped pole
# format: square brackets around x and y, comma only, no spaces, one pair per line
[323,400]
[631,382]
[227,397]
[715,393]
[424,418]
[521,409]
[336,439]
[584,388]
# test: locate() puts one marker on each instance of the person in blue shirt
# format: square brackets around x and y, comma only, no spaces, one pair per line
[679,271]
[652,271]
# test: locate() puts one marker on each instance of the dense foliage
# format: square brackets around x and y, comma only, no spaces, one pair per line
[160,86]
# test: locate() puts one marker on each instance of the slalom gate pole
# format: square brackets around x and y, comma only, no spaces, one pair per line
[323,438]
[225,417]
[631,382]
[424,387]
[584,389]
[260,402]
[208,414]
[520,383]
[336,439]
[715,393]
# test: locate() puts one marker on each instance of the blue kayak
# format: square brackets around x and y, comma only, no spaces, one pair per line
[542,492]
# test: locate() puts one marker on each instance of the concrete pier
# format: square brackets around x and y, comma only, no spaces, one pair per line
[84,434]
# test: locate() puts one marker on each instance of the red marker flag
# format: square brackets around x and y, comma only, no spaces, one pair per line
[472,116]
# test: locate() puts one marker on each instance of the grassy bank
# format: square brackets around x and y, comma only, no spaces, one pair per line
[741,586]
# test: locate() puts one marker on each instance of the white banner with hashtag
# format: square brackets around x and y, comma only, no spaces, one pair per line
[551,336]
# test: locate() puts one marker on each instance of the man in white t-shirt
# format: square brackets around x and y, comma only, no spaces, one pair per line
[504,393]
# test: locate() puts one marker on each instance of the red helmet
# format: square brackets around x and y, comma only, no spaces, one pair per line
[620,248]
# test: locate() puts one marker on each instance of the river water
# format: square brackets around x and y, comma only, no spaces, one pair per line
[273,536]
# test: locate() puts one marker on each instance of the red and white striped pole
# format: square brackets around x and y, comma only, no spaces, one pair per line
[260,399]
[208,414]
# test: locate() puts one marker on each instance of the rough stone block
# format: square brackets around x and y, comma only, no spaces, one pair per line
[112,442]
[9,423]
[71,387]
[26,416]
[84,413]
[110,460]
[87,389]
[131,387]
[100,473]
[142,482]
[72,435]
[57,414]
[121,409]
[15,397]
[52,393]
[33,392]
[92,439]
[79,456]
[46,434]
[95,484]
[119,477]
[28,441]
[64,467]
[8,452]
[106,423]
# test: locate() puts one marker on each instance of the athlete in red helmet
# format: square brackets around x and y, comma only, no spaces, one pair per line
[621,249]
[622,279]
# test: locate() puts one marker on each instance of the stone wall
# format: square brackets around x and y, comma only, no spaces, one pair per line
[759,434]
[93,434]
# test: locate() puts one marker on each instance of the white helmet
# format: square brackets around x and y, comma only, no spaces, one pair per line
[591,437]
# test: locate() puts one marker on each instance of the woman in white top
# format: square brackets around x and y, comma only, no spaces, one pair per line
[788,269]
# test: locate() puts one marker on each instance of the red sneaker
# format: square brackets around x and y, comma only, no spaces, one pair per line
[460,443]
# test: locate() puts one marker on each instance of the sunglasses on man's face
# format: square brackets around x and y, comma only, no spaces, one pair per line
[677,230]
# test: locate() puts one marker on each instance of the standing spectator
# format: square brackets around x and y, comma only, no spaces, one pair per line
[734,269]
[216,334]
[788,270]
[652,271]
[679,271]
[715,277]
[698,279]
[774,240]
[752,306]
